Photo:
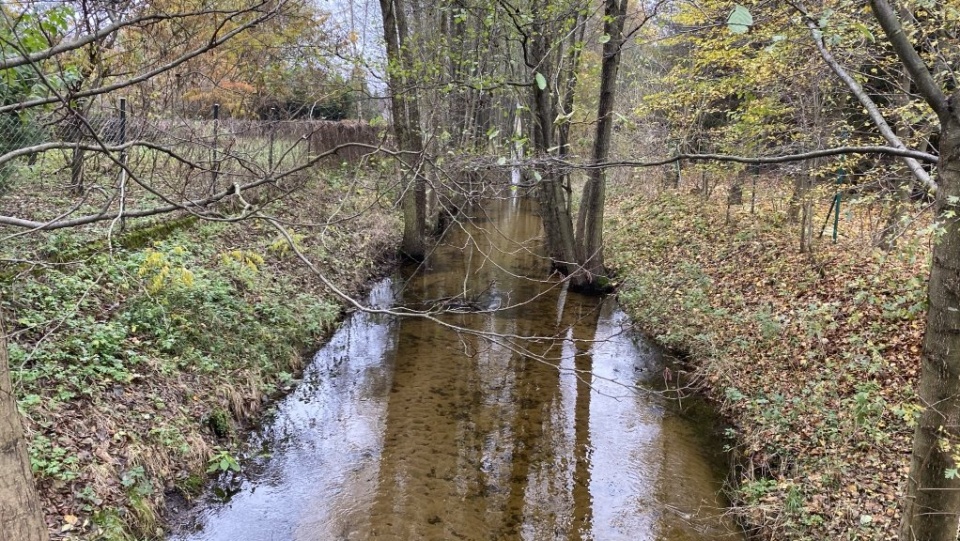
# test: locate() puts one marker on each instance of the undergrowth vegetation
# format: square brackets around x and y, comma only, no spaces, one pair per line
[812,357]
[136,363]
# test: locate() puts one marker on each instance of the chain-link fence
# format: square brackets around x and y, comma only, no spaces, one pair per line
[109,160]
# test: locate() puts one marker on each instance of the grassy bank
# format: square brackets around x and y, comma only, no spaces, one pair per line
[139,362]
[813,359]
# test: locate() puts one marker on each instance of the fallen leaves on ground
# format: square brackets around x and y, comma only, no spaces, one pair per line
[812,358]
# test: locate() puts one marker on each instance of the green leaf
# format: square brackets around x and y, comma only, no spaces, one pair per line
[950,473]
[825,18]
[734,394]
[604,38]
[541,81]
[740,20]
[865,32]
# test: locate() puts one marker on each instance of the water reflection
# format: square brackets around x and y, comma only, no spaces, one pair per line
[411,429]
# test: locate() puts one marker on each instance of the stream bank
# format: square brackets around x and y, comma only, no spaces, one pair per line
[140,366]
[813,359]
[518,410]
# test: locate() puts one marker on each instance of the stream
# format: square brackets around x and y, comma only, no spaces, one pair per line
[529,412]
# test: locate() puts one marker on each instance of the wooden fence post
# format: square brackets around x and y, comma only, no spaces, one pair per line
[215,167]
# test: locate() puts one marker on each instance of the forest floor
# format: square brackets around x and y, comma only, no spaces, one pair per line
[813,359]
[140,362]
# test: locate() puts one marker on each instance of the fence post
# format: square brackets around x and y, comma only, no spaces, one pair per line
[841,177]
[215,167]
[76,160]
[123,155]
[753,194]
[311,141]
[273,136]
[676,180]
[178,105]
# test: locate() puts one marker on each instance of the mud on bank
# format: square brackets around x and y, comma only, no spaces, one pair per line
[139,363]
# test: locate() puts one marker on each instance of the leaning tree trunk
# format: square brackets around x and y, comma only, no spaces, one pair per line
[590,218]
[21,518]
[406,128]
[933,499]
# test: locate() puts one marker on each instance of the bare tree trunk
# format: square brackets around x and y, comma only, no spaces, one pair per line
[735,196]
[806,209]
[557,224]
[893,226]
[933,500]
[796,198]
[76,170]
[932,503]
[569,78]
[406,128]
[21,518]
[590,218]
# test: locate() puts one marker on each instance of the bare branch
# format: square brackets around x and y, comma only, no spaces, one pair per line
[189,205]
[926,85]
[785,158]
[872,110]
[210,45]
[64,47]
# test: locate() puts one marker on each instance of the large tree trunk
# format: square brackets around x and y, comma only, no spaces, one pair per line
[933,500]
[569,77]
[20,516]
[590,218]
[557,223]
[406,128]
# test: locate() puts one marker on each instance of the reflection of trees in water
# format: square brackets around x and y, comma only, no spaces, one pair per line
[474,443]
[487,426]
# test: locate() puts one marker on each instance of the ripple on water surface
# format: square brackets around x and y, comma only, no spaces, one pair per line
[407,429]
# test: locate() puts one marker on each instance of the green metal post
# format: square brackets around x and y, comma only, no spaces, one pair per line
[836,206]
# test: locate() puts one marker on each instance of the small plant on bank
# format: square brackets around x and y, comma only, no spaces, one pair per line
[163,270]
[222,462]
[219,423]
[756,489]
[281,246]
[52,461]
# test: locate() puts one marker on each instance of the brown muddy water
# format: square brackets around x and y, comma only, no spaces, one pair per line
[535,418]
